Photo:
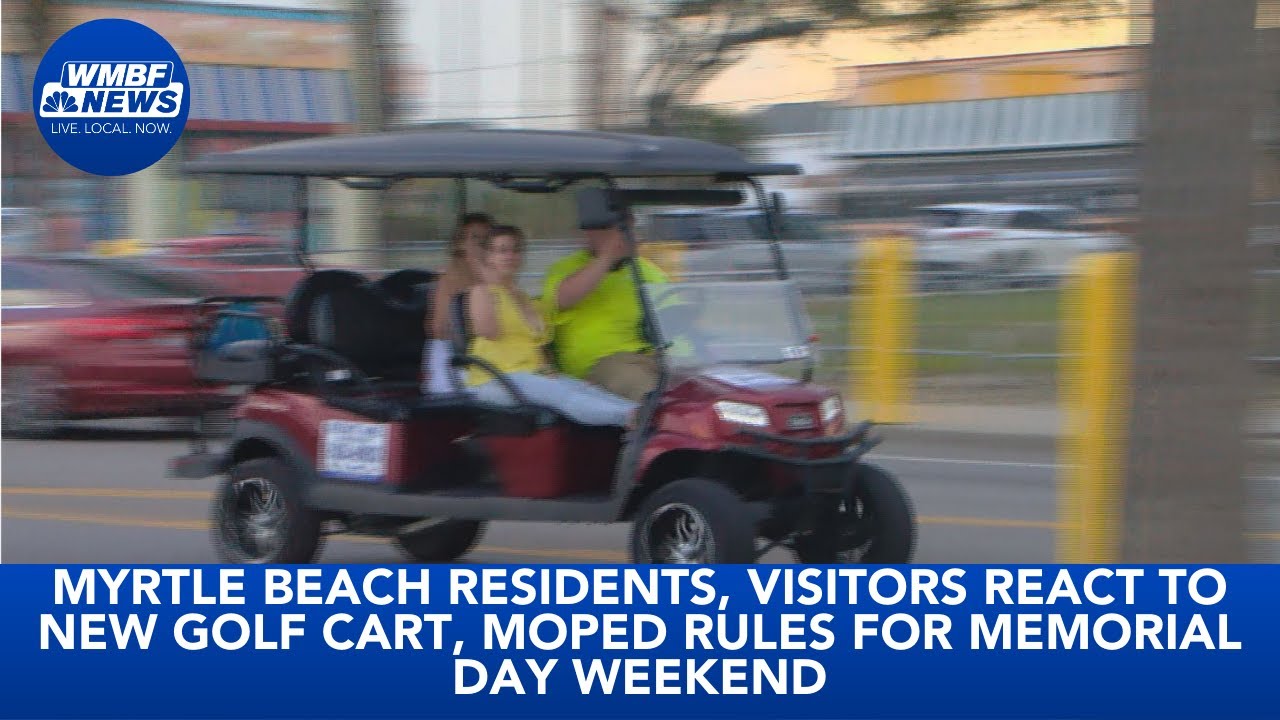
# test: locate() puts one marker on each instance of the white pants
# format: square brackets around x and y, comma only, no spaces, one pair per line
[438,375]
[580,401]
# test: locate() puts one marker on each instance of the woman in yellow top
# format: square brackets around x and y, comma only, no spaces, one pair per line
[464,257]
[511,332]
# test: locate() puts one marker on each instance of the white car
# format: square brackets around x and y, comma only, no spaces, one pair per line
[999,244]
[725,243]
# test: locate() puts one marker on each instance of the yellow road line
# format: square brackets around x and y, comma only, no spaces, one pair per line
[162,494]
[602,556]
[599,555]
[107,520]
[200,525]
[987,522]
[133,493]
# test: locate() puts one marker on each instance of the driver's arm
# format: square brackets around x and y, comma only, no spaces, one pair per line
[572,289]
[577,286]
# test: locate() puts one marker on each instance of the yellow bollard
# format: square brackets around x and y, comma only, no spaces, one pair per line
[118,248]
[881,322]
[1094,391]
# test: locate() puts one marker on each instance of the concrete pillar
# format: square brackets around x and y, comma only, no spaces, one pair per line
[155,202]
[352,223]
[360,214]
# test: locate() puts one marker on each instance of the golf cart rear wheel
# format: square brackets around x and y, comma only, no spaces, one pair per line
[442,542]
[693,521]
[876,526]
[258,516]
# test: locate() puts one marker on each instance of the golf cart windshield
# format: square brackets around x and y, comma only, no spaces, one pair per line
[718,323]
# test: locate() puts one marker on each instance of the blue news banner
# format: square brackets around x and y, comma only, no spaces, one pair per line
[769,641]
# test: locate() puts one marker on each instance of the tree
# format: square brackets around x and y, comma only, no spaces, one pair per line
[1185,496]
[707,123]
[696,40]
[373,112]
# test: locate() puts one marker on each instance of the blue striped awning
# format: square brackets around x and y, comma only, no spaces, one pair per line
[270,95]
[15,87]
[229,93]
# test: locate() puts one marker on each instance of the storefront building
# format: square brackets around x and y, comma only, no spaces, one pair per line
[1058,127]
[1046,127]
[258,74]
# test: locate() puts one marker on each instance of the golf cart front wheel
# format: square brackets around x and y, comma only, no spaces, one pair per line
[875,526]
[693,521]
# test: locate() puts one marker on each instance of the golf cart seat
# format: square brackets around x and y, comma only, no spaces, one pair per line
[300,307]
[380,331]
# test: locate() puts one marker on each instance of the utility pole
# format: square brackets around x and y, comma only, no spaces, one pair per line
[1185,489]
[373,111]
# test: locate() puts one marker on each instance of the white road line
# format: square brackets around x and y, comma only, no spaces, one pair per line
[1012,463]
[962,461]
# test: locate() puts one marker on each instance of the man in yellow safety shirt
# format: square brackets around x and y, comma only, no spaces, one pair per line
[596,314]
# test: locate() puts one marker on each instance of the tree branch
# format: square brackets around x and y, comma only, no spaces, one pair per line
[689,54]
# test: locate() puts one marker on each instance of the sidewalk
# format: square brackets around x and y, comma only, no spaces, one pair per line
[1040,421]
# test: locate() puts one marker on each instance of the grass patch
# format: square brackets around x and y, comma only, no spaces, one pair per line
[959,333]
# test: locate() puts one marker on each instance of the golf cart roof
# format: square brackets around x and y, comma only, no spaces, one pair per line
[490,154]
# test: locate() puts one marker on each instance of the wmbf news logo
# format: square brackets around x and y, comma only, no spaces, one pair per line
[115,90]
[111,97]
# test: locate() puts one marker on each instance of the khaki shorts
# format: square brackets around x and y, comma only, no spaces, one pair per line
[630,375]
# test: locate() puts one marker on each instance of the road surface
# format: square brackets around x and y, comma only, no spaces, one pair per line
[100,495]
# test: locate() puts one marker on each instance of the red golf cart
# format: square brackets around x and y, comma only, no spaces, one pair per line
[735,452]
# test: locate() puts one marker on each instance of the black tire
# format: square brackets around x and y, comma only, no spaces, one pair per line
[720,522]
[34,407]
[261,487]
[441,543]
[890,521]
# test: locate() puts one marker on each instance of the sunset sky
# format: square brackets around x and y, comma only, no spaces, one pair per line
[780,73]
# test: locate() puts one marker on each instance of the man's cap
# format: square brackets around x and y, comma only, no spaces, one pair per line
[597,211]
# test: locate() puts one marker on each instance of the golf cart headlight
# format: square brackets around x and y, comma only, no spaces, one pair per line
[742,413]
[831,409]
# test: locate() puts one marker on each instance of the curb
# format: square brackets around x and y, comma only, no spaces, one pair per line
[1043,422]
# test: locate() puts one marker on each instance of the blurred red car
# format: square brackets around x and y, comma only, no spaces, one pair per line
[237,264]
[96,338]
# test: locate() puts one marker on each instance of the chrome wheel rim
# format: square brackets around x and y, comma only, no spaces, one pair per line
[255,519]
[678,534]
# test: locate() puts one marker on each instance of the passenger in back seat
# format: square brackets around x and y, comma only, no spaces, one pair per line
[458,277]
[511,332]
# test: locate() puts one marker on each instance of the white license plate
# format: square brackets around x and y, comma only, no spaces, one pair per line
[354,450]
